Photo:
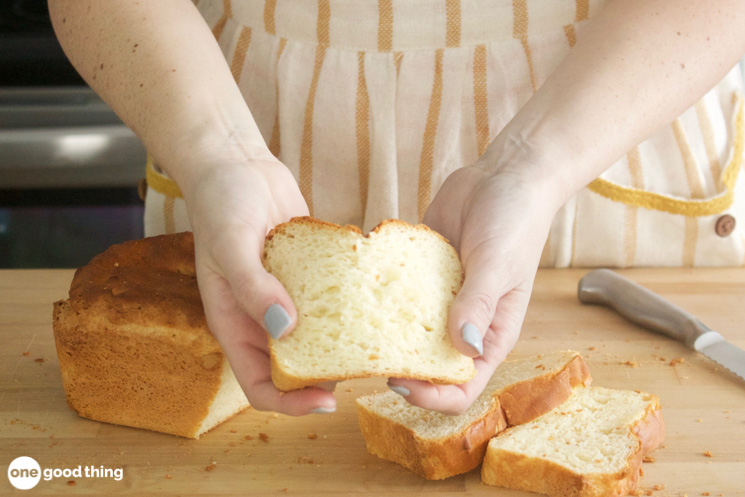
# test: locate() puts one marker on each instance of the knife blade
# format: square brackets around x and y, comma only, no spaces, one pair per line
[644,307]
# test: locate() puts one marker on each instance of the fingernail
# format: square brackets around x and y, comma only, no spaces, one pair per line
[276,320]
[472,336]
[402,391]
[323,410]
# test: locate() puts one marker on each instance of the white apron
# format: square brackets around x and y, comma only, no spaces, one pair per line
[373,103]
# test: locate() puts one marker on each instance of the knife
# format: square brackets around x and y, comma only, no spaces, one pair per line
[643,307]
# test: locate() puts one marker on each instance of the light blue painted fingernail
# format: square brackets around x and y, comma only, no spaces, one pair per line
[472,336]
[402,391]
[276,320]
[323,410]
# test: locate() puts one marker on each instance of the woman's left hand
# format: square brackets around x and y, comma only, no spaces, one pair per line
[498,222]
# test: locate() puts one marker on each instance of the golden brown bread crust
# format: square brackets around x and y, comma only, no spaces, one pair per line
[527,400]
[285,381]
[520,472]
[350,228]
[132,340]
[464,451]
[152,280]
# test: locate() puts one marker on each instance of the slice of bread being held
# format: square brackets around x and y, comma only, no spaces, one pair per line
[438,446]
[591,446]
[374,305]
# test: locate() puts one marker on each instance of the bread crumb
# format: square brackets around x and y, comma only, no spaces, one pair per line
[233,431]
[649,459]
[541,366]
[263,437]
[635,493]
[659,487]
[71,483]
[631,364]
[705,493]
[312,436]
[210,467]
[248,437]
[39,360]
[676,361]
[649,492]
[305,460]
[641,472]
[169,477]
[350,390]
[699,420]
[25,354]
[708,453]
[591,348]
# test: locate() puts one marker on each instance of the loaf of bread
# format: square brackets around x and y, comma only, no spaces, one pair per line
[591,446]
[133,344]
[438,446]
[367,305]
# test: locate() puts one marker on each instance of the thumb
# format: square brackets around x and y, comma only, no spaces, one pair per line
[257,292]
[473,309]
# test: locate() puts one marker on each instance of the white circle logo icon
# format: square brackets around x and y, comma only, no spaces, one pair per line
[24,473]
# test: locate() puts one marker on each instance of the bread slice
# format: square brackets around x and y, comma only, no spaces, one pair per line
[592,445]
[374,305]
[133,344]
[438,446]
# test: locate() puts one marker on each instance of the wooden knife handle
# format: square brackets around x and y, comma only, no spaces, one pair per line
[640,306]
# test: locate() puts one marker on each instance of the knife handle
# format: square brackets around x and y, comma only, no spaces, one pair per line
[640,306]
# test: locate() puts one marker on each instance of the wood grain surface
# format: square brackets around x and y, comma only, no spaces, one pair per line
[258,453]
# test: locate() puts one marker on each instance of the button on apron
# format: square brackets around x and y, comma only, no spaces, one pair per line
[725,225]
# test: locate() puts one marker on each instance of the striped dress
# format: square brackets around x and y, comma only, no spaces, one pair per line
[373,103]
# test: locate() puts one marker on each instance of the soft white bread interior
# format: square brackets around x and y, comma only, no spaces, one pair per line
[592,445]
[133,344]
[374,305]
[438,446]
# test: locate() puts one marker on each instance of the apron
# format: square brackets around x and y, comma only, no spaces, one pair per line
[372,104]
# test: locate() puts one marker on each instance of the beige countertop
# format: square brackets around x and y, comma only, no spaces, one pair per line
[264,453]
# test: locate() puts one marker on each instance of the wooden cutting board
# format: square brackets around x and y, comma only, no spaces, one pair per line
[265,453]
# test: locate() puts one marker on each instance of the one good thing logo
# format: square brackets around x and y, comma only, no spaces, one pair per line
[25,473]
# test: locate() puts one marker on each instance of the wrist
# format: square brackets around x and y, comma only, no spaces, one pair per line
[213,145]
[528,169]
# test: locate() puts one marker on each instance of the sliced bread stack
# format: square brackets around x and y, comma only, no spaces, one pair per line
[543,434]
[438,446]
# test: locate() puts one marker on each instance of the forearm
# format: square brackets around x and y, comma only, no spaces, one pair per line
[159,67]
[637,66]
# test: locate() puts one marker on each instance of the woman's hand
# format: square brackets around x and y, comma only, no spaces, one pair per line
[499,223]
[232,205]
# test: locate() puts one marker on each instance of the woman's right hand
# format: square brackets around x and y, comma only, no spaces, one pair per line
[232,203]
